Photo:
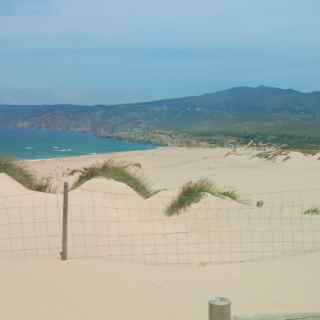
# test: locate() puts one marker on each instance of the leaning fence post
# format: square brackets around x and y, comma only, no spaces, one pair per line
[219,309]
[64,252]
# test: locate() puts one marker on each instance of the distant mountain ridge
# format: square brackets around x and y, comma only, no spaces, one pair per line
[265,113]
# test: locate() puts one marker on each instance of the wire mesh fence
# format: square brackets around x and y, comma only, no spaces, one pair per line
[125,227]
[30,225]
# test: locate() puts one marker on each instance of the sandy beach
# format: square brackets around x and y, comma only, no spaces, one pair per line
[127,258]
[170,167]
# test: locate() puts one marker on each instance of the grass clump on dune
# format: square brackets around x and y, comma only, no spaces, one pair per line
[115,171]
[193,192]
[315,211]
[274,154]
[15,170]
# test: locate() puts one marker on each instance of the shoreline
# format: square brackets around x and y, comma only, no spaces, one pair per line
[161,139]
[29,144]
[228,149]
[97,155]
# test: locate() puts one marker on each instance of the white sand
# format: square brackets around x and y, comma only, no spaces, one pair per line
[110,221]
[10,187]
[81,290]
[171,167]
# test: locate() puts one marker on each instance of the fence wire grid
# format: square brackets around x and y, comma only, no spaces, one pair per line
[123,227]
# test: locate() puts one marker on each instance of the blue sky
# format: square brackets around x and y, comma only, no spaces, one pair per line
[105,51]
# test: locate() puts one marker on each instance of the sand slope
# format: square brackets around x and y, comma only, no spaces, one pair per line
[170,167]
[81,290]
[108,219]
[114,233]
[9,186]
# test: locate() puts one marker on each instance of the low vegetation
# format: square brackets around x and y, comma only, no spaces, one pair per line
[19,173]
[274,154]
[193,192]
[314,211]
[121,172]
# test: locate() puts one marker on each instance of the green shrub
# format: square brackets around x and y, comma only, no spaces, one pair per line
[19,173]
[314,211]
[193,192]
[115,171]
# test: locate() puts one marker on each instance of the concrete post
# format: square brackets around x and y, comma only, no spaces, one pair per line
[219,309]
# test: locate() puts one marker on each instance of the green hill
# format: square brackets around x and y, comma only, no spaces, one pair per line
[266,114]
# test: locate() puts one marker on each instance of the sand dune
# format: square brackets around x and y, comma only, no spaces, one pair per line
[170,167]
[111,222]
[10,187]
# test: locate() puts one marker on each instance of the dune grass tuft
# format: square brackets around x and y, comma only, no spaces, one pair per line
[193,192]
[274,154]
[19,173]
[115,171]
[314,211]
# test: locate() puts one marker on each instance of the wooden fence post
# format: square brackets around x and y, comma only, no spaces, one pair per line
[64,252]
[219,309]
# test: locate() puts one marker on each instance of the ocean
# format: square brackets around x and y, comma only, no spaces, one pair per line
[34,144]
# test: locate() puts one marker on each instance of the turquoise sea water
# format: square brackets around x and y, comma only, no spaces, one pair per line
[44,144]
